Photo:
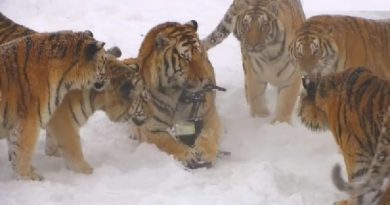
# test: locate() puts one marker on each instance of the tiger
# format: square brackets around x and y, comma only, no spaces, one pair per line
[327,44]
[352,104]
[123,99]
[120,99]
[9,30]
[175,67]
[37,71]
[264,29]
[368,189]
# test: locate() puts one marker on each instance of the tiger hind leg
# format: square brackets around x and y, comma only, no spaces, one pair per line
[22,140]
[287,97]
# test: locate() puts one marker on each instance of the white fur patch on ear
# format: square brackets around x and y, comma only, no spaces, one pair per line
[99,45]
[193,23]
[161,42]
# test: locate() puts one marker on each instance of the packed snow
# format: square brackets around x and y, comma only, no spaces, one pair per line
[278,164]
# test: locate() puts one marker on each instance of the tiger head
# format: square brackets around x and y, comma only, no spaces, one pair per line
[258,25]
[125,93]
[85,54]
[171,57]
[321,95]
[314,51]
[313,106]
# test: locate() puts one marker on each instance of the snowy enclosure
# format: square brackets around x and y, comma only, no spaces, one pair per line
[277,164]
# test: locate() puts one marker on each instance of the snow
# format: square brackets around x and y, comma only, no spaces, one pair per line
[277,164]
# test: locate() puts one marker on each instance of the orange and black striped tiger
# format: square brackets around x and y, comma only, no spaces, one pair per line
[351,104]
[122,99]
[36,73]
[264,29]
[368,189]
[327,44]
[180,79]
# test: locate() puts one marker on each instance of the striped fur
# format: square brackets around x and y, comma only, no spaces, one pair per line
[368,189]
[352,105]
[122,100]
[264,29]
[9,30]
[37,71]
[330,43]
[172,62]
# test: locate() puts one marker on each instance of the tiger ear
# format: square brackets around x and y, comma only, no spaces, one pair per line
[193,23]
[241,3]
[273,7]
[92,48]
[89,33]
[161,42]
[115,51]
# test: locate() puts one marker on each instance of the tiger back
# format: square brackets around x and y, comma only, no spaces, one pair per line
[173,64]
[9,30]
[330,43]
[351,104]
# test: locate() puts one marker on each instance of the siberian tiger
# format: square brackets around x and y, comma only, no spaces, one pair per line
[123,99]
[351,104]
[37,71]
[368,189]
[330,43]
[264,29]
[175,68]
[9,30]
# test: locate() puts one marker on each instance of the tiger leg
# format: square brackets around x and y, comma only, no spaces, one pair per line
[22,140]
[69,145]
[166,143]
[255,92]
[287,97]
[207,144]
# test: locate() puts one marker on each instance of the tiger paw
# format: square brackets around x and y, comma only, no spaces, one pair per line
[260,111]
[80,167]
[31,175]
[52,151]
[196,161]
[51,148]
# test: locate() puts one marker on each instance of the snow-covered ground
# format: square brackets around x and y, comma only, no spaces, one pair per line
[270,164]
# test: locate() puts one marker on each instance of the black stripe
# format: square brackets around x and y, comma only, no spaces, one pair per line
[49,94]
[39,112]
[29,44]
[5,115]
[82,104]
[73,114]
